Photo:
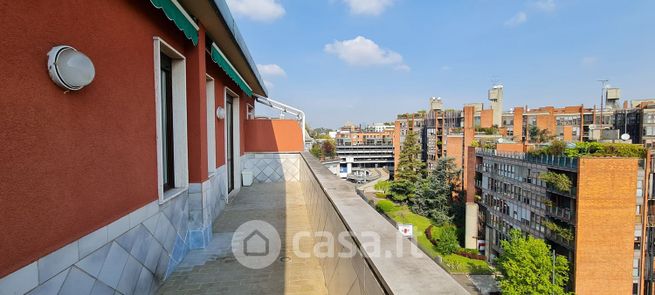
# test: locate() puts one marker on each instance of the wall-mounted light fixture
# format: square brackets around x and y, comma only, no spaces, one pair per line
[69,68]
[220,113]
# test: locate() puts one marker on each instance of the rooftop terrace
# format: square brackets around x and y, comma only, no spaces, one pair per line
[307,199]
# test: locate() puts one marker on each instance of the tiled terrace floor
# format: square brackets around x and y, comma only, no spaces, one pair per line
[214,270]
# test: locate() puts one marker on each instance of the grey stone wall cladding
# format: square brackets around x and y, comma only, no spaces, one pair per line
[328,198]
[206,202]
[132,255]
[266,167]
[343,275]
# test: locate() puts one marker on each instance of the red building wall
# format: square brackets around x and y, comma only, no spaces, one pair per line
[220,82]
[79,160]
[197,110]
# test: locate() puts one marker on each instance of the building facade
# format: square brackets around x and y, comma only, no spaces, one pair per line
[504,191]
[601,213]
[361,149]
[107,188]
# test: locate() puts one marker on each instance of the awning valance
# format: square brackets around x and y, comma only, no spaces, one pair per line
[182,20]
[219,58]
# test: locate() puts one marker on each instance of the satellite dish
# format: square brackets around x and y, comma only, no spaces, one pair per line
[625,136]
[500,140]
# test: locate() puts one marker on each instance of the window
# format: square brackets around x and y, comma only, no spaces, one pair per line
[166,102]
[170,100]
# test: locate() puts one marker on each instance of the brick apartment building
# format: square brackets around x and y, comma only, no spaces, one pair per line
[510,194]
[106,188]
[597,225]
[447,132]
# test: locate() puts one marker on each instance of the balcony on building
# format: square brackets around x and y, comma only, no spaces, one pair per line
[295,192]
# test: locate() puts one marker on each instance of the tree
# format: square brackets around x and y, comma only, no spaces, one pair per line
[410,169]
[527,267]
[446,240]
[557,147]
[316,150]
[559,181]
[328,148]
[539,135]
[434,194]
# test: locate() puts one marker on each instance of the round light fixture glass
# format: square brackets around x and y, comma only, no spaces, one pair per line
[220,113]
[69,68]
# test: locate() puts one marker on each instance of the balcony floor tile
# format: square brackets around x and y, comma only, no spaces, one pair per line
[214,270]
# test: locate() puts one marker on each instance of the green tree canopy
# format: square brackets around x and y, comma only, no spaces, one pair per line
[316,150]
[329,148]
[539,135]
[434,194]
[410,168]
[527,267]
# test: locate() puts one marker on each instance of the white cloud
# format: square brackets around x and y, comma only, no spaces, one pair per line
[369,7]
[361,51]
[258,10]
[589,60]
[269,85]
[271,70]
[545,5]
[517,19]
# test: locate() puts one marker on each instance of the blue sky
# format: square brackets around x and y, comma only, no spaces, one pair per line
[368,60]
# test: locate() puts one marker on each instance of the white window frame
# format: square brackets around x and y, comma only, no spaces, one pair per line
[180,142]
[236,137]
[211,124]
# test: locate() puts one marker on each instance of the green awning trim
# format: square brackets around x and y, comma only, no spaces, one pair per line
[219,58]
[182,20]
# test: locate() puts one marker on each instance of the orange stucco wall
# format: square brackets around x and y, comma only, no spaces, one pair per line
[606,207]
[273,136]
[244,102]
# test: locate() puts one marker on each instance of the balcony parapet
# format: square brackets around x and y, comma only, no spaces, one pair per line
[560,213]
[336,204]
[560,162]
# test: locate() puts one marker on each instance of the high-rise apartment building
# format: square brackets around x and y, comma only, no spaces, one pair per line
[597,223]
[603,225]
[405,124]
